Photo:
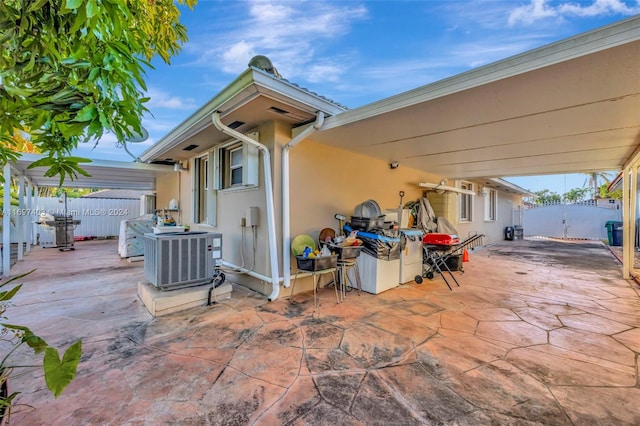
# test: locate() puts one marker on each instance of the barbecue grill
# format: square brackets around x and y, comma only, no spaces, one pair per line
[435,248]
[64,227]
[438,248]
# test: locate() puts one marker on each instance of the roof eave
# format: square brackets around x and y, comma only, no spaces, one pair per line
[599,39]
[253,82]
[111,174]
[199,119]
[511,187]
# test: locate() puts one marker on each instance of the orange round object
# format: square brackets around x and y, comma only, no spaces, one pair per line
[327,235]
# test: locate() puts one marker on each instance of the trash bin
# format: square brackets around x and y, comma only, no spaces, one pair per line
[508,233]
[614,232]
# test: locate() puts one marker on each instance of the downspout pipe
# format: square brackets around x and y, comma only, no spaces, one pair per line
[268,184]
[286,213]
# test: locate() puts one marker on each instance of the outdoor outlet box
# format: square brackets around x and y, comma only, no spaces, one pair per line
[251,216]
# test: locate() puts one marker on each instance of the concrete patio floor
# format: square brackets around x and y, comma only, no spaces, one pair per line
[539,332]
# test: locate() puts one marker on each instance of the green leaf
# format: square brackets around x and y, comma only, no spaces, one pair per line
[76,160]
[87,113]
[73,4]
[8,295]
[94,73]
[92,8]
[38,4]
[16,278]
[37,343]
[43,162]
[81,17]
[59,373]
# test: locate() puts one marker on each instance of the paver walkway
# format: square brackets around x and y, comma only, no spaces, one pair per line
[538,333]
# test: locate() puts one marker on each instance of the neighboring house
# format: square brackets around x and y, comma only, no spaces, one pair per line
[221,173]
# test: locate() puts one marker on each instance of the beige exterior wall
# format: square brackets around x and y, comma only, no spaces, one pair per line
[184,200]
[323,181]
[231,206]
[168,186]
[327,180]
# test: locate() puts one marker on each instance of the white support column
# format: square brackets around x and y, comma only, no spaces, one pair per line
[28,229]
[633,212]
[34,228]
[6,222]
[626,211]
[20,219]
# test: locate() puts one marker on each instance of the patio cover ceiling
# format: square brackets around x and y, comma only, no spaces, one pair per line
[104,174]
[573,106]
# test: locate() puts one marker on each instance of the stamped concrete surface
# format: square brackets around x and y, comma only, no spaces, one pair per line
[539,332]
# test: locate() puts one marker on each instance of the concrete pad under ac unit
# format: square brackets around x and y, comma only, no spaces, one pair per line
[160,302]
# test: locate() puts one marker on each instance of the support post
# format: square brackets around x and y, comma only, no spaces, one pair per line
[20,219]
[28,229]
[6,222]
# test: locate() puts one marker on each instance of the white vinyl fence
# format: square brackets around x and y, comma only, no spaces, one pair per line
[99,217]
[579,221]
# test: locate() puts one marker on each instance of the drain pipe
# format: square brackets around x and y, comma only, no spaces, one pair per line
[286,213]
[268,188]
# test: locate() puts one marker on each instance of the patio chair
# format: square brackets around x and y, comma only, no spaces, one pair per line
[347,260]
[316,267]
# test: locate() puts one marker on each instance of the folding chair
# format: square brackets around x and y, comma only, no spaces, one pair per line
[317,267]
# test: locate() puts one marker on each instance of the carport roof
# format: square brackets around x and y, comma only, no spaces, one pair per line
[568,107]
[104,174]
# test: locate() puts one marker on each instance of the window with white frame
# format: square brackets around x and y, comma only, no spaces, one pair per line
[237,165]
[228,167]
[201,185]
[466,203]
[491,205]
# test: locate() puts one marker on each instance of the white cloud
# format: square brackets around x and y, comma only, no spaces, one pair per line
[158,125]
[481,52]
[542,9]
[161,99]
[599,7]
[240,52]
[325,72]
[290,34]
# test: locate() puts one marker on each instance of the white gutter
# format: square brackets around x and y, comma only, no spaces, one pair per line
[254,274]
[286,213]
[268,188]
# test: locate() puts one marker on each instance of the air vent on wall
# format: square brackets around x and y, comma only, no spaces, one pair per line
[297,117]
[190,147]
[235,124]
[166,162]
[278,110]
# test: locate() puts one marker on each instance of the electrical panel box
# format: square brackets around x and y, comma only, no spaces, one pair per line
[251,216]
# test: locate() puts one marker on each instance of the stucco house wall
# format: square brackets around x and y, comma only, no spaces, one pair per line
[493,230]
[167,187]
[324,180]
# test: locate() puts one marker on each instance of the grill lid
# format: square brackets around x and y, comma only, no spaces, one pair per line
[440,239]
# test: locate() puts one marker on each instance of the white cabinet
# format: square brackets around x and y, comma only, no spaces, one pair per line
[378,275]
[411,255]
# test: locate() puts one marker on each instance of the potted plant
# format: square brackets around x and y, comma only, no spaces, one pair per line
[58,373]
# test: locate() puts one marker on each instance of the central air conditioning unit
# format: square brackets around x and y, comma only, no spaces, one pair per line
[181,259]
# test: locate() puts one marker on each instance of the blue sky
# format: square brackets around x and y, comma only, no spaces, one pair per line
[354,52]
